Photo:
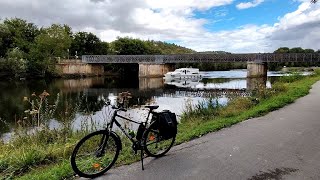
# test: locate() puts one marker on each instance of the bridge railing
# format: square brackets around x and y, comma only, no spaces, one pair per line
[198,58]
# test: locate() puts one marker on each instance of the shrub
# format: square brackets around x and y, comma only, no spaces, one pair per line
[236,106]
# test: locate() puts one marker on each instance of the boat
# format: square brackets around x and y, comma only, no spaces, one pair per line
[184,73]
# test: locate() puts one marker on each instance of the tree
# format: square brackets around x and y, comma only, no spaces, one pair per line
[87,44]
[296,50]
[282,50]
[4,39]
[21,34]
[309,51]
[15,62]
[52,43]
[129,46]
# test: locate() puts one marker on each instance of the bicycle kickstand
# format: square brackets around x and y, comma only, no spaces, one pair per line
[142,159]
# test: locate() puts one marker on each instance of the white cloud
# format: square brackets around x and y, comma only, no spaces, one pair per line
[247,5]
[172,21]
[300,28]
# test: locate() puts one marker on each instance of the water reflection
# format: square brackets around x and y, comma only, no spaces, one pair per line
[150,83]
[183,83]
[220,83]
[90,93]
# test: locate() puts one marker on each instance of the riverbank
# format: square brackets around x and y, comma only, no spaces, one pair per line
[39,157]
[299,69]
[284,144]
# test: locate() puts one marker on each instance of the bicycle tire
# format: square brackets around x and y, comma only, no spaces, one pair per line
[95,164]
[152,133]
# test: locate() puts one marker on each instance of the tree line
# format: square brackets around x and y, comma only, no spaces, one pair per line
[278,66]
[26,49]
[295,50]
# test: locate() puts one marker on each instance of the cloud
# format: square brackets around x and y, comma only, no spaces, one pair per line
[172,21]
[299,28]
[249,4]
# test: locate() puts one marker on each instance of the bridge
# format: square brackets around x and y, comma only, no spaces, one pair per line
[202,58]
[158,65]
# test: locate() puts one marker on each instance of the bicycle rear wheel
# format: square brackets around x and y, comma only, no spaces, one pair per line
[154,144]
[90,159]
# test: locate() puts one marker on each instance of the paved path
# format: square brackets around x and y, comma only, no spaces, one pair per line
[283,144]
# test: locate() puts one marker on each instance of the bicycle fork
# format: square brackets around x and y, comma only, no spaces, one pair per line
[103,144]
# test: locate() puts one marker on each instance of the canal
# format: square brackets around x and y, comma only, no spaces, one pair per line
[81,101]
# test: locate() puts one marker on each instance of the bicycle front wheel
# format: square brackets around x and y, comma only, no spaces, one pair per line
[95,154]
[154,144]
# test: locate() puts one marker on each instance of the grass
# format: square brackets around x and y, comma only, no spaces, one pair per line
[46,156]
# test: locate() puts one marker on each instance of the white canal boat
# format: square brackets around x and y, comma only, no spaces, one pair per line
[184,73]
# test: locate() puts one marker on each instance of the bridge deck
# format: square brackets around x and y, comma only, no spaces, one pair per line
[209,58]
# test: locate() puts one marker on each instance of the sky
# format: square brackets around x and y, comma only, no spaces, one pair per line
[237,26]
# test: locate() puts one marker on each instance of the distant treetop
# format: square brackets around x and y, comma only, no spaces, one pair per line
[293,50]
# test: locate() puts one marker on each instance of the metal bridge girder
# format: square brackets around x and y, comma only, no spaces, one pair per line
[202,58]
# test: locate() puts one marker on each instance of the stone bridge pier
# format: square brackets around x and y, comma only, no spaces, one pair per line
[257,69]
[154,70]
[256,75]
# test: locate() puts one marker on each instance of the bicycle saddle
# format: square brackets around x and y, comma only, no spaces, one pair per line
[152,107]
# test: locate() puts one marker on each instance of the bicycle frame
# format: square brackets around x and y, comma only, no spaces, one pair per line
[115,121]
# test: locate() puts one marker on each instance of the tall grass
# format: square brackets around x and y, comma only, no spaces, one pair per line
[33,142]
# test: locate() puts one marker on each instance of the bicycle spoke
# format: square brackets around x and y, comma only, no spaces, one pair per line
[92,158]
[154,143]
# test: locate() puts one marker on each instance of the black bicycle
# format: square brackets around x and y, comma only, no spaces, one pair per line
[97,152]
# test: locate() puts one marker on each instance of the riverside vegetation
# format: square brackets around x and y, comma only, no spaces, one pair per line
[43,153]
[29,51]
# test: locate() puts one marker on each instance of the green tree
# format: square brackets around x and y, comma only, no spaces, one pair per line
[129,46]
[21,34]
[4,39]
[52,43]
[87,44]
[296,50]
[14,65]
[282,50]
[309,51]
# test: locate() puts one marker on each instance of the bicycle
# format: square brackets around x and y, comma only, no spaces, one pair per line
[98,151]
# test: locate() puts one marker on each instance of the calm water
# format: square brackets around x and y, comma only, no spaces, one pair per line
[92,92]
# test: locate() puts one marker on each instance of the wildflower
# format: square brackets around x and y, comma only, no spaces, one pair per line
[33,112]
[45,93]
